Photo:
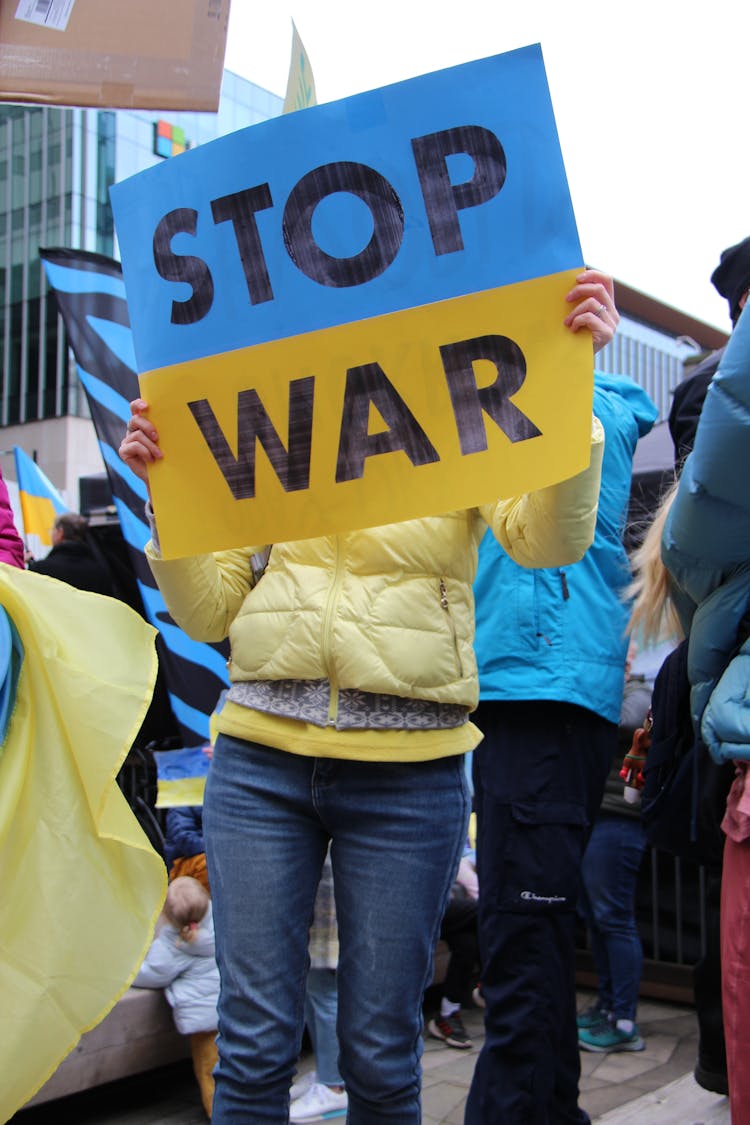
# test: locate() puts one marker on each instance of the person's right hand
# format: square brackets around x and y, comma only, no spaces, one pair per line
[140,446]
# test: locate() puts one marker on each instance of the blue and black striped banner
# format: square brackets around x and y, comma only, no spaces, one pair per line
[91,296]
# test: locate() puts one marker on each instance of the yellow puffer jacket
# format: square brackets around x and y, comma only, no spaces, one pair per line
[386,610]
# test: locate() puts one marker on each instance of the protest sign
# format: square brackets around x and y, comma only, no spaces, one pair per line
[353,315]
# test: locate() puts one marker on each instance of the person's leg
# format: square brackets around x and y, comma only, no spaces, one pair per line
[459,929]
[265,848]
[610,870]
[205,1055]
[711,1064]
[735,962]
[398,833]
[320,1013]
[539,777]
[603,1004]
[325,1098]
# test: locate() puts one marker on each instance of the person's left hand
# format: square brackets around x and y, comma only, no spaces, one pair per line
[139,447]
[594,297]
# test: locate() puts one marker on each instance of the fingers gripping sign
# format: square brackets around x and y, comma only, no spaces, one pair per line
[139,447]
[595,308]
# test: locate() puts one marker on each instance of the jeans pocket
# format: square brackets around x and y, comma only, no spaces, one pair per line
[544,847]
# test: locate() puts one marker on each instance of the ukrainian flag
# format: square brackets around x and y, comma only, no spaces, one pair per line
[181,776]
[300,87]
[39,499]
[81,885]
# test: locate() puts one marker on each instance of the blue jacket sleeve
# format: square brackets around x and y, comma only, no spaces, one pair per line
[184,835]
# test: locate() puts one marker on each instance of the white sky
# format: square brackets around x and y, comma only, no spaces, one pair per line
[650,99]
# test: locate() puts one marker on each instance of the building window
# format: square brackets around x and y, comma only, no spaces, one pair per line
[105,177]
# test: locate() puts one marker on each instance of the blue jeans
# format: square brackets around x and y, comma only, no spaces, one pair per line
[397,833]
[610,869]
[320,1016]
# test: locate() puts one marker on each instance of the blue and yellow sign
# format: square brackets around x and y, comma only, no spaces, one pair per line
[354,315]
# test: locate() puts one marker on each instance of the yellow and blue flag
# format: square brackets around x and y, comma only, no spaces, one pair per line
[82,886]
[39,499]
[181,776]
[300,88]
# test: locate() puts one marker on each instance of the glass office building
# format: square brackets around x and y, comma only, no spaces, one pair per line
[56,168]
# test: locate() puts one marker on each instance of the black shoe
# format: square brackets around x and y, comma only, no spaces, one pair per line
[713,1080]
[451,1030]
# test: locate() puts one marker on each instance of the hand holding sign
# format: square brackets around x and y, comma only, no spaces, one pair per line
[595,308]
[140,446]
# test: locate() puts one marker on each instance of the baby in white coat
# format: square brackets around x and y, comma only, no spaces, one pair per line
[182,961]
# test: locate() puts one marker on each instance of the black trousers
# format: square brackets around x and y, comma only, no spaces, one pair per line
[460,930]
[539,778]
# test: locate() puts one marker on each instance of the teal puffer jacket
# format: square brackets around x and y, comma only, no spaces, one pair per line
[706,547]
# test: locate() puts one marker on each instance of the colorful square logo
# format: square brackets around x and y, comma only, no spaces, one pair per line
[169,140]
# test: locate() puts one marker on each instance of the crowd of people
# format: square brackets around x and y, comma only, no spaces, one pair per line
[330,853]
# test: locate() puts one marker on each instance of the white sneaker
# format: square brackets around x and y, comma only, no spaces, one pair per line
[320,1103]
[302,1085]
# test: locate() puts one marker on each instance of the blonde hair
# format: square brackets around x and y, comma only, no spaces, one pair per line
[653,616]
[186,904]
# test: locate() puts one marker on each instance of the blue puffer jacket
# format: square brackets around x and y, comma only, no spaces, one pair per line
[184,834]
[559,633]
[706,547]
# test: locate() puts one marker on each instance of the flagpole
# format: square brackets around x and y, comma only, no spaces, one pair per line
[18,514]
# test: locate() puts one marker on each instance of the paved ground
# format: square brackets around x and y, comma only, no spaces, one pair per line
[655,1086]
[651,1087]
[679,1103]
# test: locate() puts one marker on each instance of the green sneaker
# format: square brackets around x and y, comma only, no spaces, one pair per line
[590,1017]
[606,1037]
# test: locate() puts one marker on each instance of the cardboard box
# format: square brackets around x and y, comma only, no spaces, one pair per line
[150,54]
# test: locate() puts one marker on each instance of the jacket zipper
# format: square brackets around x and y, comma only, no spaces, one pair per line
[446,606]
[338,574]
